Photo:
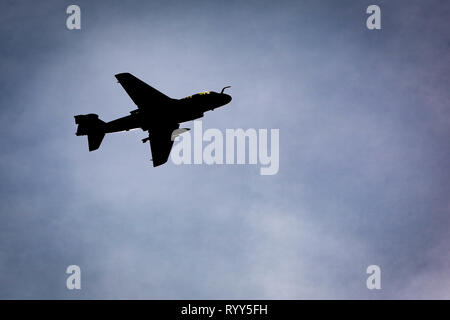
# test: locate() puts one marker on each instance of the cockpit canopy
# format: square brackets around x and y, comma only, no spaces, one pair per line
[199,94]
[204,93]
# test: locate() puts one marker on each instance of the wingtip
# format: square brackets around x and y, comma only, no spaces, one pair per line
[119,75]
[158,162]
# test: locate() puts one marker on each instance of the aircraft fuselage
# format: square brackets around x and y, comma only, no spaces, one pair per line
[176,110]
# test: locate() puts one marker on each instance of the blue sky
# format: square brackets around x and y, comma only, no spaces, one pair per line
[364,123]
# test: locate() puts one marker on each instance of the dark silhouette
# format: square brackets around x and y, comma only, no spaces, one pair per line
[157,113]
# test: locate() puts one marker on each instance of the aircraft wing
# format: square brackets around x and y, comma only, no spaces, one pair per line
[161,143]
[141,93]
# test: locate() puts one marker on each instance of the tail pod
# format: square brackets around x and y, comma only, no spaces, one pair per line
[93,127]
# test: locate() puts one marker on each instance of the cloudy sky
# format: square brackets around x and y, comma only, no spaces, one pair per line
[364,124]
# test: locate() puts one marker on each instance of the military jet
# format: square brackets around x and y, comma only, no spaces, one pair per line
[156,113]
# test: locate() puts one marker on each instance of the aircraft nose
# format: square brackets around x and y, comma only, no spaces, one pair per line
[227,98]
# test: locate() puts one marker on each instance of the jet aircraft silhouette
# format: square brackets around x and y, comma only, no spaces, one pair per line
[156,113]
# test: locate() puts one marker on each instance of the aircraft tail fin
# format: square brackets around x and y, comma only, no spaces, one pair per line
[93,127]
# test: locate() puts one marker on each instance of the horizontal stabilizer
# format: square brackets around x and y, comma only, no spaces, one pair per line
[94,140]
[93,127]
